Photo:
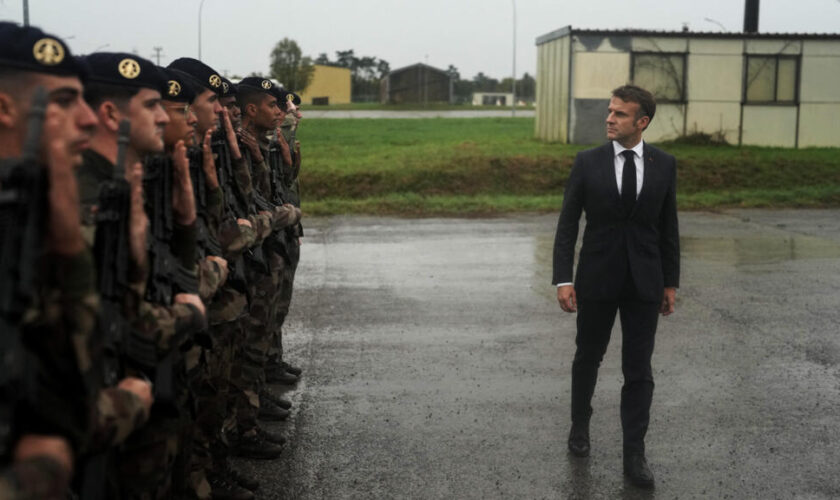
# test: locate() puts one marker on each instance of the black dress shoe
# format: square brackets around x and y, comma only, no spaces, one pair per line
[579,440]
[271,437]
[637,470]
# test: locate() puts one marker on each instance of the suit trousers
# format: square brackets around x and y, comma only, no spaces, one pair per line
[638,328]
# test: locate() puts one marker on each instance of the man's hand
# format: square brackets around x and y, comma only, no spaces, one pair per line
[222,263]
[235,153]
[249,140]
[138,220]
[191,299]
[140,388]
[669,298]
[567,298]
[56,448]
[244,222]
[284,149]
[65,229]
[207,164]
[183,200]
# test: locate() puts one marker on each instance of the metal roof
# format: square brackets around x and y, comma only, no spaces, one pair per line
[568,30]
[400,70]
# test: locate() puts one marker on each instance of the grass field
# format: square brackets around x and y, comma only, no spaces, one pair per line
[486,166]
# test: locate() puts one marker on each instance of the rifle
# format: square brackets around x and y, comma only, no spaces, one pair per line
[113,256]
[23,202]
[207,244]
[237,202]
[168,275]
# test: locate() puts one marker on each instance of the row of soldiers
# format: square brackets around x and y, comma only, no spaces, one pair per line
[150,225]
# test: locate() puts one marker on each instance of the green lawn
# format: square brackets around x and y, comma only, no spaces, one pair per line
[484,166]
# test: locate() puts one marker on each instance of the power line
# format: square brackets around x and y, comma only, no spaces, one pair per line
[157,54]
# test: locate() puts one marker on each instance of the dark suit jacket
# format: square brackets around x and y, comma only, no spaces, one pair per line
[646,240]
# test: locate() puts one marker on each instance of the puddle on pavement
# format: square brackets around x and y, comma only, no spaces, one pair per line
[752,250]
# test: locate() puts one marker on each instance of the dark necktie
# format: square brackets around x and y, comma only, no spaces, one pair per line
[628,181]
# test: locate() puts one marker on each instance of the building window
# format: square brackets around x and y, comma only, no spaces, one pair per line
[662,74]
[771,79]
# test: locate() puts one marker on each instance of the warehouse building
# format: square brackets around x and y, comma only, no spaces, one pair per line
[417,84]
[329,85]
[767,89]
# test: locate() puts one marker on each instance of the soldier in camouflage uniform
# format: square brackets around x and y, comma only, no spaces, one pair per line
[124,86]
[260,114]
[68,412]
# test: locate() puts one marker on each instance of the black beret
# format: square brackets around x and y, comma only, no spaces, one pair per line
[180,87]
[228,88]
[295,99]
[30,49]
[206,76]
[259,83]
[124,70]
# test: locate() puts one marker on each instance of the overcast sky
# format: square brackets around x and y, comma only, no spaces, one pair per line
[473,35]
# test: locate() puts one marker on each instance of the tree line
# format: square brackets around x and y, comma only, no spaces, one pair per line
[290,67]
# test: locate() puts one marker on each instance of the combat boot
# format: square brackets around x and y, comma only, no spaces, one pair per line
[271,412]
[278,375]
[253,446]
[271,437]
[236,477]
[223,488]
[265,394]
[294,370]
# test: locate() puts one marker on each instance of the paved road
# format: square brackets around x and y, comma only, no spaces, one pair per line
[310,112]
[437,365]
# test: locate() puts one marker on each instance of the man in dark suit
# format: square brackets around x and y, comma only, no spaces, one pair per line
[629,263]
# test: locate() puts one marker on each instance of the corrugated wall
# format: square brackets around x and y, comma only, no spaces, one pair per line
[552,112]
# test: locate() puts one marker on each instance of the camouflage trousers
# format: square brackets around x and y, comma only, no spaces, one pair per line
[282,302]
[146,461]
[248,374]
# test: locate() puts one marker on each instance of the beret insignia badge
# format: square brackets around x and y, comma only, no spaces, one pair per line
[266,84]
[129,68]
[174,88]
[215,81]
[48,51]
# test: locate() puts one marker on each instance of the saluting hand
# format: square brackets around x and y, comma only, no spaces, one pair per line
[207,163]
[139,221]
[235,153]
[183,198]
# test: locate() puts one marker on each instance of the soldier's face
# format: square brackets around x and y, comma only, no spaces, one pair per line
[68,123]
[148,120]
[268,114]
[181,124]
[207,109]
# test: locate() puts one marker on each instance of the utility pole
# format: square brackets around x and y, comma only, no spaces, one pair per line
[157,54]
[200,6]
[26,12]
[513,104]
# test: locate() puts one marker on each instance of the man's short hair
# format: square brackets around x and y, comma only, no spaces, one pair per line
[645,100]
[248,95]
[96,93]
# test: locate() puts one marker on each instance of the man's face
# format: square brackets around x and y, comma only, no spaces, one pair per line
[622,125]
[268,114]
[181,124]
[68,118]
[148,120]
[234,112]
[207,109]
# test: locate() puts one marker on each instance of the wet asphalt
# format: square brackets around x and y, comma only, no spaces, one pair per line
[437,365]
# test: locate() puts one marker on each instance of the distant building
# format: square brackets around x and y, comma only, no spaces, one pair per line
[418,84]
[752,88]
[329,85]
[492,98]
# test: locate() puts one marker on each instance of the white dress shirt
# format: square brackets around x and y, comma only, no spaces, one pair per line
[618,159]
[639,160]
